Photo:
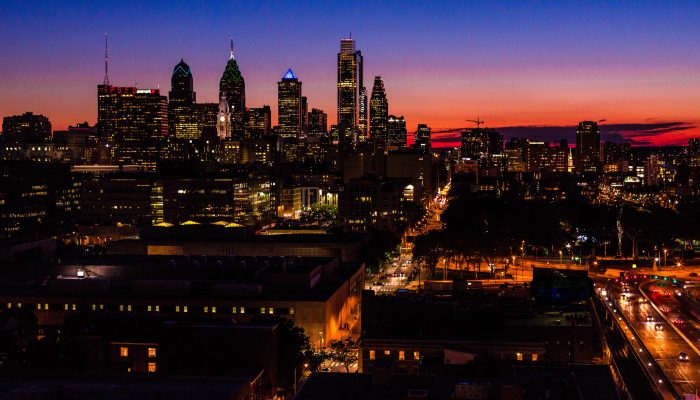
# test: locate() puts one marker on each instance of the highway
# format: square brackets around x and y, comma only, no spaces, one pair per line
[658,335]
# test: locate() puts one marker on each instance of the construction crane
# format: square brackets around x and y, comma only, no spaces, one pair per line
[477,121]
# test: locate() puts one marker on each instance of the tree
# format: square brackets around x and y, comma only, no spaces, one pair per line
[293,346]
[344,351]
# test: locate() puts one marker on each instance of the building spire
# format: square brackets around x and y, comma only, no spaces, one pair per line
[231,49]
[106,80]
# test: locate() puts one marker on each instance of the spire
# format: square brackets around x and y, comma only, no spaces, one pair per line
[106,80]
[231,58]
[289,75]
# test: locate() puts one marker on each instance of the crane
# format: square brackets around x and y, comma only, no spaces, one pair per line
[477,121]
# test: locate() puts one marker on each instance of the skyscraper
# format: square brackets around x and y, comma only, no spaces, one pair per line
[131,124]
[379,112]
[258,122]
[26,128]
[318,121]
[181,117]
[588,147]
[422,139]
[350,89]
[289,106]
[223,118]
[396,132]
[233,85]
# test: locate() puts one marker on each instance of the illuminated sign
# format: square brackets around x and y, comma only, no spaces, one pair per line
[144,91]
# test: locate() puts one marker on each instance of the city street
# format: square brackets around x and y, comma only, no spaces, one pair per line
[664,344]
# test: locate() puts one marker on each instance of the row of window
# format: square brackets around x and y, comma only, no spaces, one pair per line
[387,353]
[124,352]
[154,308]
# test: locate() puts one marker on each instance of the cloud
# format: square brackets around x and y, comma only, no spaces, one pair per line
[638,134]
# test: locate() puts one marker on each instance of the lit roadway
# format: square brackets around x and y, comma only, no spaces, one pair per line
[659,336]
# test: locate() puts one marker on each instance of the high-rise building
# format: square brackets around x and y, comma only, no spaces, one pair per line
[362,118]
[289,106]
[233,84]
[350,88]
[422,139]
[588,147]
[318,121]
[379,112]
[257,122]
[181,118]
[223,118]
[131,124]
[26,128]
[396,132]
[304,115]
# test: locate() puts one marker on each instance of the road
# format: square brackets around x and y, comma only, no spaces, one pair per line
[658,335]
[400,273]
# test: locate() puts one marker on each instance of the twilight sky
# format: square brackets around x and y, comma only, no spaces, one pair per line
[517,65]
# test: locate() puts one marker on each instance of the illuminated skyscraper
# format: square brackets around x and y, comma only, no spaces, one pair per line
[181,117]
[422,139]
[350,91]
[131,124]
[258,122]
[396,132]
[587,147]
[379,112]
[233,85]
[289,118]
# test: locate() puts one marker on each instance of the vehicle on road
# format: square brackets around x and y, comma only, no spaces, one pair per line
[642,300]
[665,309]
[693,274]
[678,321]
[682,356]
[667,294]
[659,327]
[650,318]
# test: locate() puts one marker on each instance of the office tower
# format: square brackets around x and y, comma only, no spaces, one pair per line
[587,147]
[396,132]
[318,121]
[257,122]
[223,118]
[541,157]
[349,92]
[181,119]
[289,106]
[422,139]
[304,115]
[362,118]
[379,112]
[233,85]
[131,124]
[26,128]
[481,143]
[205,115]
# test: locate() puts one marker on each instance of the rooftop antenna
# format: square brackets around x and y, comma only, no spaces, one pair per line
[106,80]
[231,49]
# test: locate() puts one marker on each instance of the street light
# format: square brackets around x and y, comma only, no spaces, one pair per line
[560,257]
[665,251]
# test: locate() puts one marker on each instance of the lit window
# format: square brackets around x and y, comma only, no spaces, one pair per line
[206,309]
[177,308]
[102,306]
[402,355]
[157,308]
[372,355]
[9,305]
[213,309]
[19,305]
[262,310]
[121,307]
[416,355]
[242,310]
[184,308]
[94,307]
[65,307]
[234,310]
[519,356]
[124,351]
[128,308]
[73,307]
[151,367]
[151,352]
[291,311]
[387,352]
[148,308]
[38,306]
[534,357]
[271,310]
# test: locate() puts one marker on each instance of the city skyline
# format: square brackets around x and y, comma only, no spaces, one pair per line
[534,72]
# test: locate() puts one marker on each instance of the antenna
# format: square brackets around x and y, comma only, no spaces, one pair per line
[106,80]
[231,48]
